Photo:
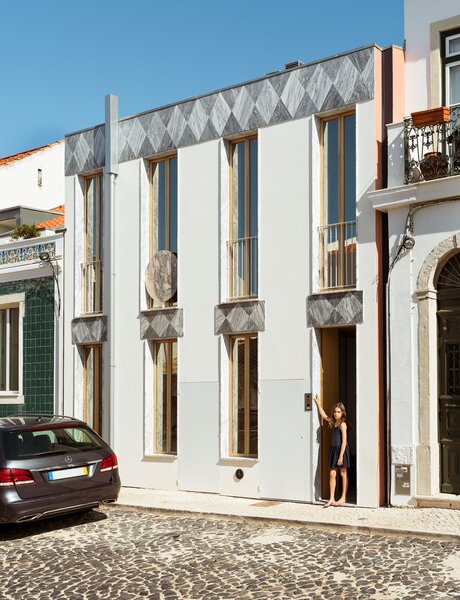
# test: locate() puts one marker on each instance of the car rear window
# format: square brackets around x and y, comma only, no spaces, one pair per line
[24,444]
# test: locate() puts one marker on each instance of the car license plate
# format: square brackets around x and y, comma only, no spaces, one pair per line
[67,473]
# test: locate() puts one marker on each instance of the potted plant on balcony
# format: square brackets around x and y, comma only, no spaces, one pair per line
[431,116]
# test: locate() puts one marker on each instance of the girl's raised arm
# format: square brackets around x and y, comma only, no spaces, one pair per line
[320,409]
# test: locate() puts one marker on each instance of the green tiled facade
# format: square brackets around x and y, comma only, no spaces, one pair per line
[38,345]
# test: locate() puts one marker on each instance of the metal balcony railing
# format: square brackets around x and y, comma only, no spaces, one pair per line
[92,286]
[338,255]
[243,269]
[432,151]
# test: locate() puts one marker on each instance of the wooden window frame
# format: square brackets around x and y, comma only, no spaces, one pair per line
[152,245]
[247,208]
[8,302]
[97,386]
[96,260]
[247,397]
[169,358]
[340,117]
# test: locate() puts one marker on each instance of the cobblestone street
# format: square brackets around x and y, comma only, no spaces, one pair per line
[117,554]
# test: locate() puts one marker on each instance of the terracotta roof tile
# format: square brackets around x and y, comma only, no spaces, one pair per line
[6,160]
[55,221]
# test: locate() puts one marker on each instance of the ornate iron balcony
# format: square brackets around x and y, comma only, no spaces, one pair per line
[432,151]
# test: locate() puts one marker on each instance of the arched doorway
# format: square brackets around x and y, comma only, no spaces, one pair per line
[448,311]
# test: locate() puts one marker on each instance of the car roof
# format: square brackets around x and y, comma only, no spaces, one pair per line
[21,421]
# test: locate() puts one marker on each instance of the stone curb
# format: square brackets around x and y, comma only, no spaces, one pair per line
[368,530]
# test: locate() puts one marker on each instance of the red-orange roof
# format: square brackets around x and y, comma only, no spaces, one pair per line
[55,221]
[6,160]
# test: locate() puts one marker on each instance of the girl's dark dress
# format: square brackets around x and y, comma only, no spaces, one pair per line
[334,454]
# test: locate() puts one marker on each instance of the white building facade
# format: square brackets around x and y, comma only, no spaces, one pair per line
[421,205]
[227,265]
[31,283]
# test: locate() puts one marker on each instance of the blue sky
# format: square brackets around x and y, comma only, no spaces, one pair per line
[60,58]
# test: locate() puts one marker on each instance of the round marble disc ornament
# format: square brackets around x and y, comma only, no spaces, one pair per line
[161,276]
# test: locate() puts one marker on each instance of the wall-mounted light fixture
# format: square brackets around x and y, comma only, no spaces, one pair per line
[46,260]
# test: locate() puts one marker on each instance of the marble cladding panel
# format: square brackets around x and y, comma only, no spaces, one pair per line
[280,97]
[239,317]
[335,309]
[161,276]
[85,151]
[161,323]
[26,253]
[89,330]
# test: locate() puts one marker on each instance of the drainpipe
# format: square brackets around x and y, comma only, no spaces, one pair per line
[111,172]
[405,245]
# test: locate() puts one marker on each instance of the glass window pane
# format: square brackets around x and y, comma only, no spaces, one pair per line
[89,386]
[14,349]
[253,396]
[90,219]
[241,203]
[101,216]
[238,404]
[173,205]
[350,168]
[161,396]
[453,46]
[161,198]
[253,176]
[454,87]
[3,317]
[331,171]
[174,397]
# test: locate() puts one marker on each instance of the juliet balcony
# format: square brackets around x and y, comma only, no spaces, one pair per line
[338,255]
[431,144]
[243,268]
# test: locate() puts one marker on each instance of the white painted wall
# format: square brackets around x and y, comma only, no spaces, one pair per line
[284,284]
[366,333]
[418,15]
[198,293]
[19,179]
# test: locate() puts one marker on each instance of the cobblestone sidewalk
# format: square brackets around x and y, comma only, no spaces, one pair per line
[423,522]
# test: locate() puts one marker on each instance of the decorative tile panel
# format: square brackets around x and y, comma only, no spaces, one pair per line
[161,323]
[37,345]
[89,330]
[276,98]
[239,317]
[26,253]
[335,309]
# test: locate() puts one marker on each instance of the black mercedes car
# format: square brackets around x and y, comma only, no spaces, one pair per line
[50,465]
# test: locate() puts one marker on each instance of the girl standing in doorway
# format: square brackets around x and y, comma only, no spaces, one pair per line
[339,455]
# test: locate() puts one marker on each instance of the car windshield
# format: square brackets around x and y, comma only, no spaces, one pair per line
[27,443]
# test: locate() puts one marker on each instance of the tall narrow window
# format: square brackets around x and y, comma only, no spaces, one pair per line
[338,230]
[243,396]
[93,259]
[451,58]
[9,350]
[163,179]
[243,243]
[92,387]
[165,413]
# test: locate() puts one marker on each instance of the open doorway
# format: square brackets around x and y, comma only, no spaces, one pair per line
[338,383]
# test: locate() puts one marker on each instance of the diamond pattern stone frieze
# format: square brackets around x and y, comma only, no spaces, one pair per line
[239,317]
[335,309]
[276,98]
[161,323]
[89,330]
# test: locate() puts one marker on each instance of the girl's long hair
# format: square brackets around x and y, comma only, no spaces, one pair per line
[344,415]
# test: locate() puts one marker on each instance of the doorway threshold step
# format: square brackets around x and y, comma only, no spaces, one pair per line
[438,501]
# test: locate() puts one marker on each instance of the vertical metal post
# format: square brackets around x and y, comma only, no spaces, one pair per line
[110,173]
